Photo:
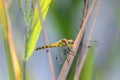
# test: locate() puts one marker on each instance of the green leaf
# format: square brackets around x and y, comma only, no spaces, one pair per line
[87,69]
[36,27]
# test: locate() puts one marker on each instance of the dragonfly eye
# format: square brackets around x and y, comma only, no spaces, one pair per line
[63,40]
[70,42]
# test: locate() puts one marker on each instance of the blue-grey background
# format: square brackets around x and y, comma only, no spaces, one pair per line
[62,21]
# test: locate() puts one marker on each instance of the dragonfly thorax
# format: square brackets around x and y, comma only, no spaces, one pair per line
[65,42]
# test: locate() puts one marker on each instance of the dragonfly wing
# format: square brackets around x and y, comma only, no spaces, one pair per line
[58,55]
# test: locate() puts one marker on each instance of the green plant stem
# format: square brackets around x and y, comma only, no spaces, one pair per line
[27,22]
[24,70]
[24,62]
[25,55]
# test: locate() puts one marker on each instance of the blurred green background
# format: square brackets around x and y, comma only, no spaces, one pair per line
[63,21]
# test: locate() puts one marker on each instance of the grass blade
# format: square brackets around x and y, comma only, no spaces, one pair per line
[12,61]
[36,27]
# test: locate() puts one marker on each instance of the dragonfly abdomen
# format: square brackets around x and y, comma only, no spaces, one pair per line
[47,46]
[60,43]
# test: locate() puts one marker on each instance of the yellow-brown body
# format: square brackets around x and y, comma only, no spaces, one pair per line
[60,43]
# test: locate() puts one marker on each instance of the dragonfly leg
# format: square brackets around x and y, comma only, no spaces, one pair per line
[68,50]
[71,52]
[68,60]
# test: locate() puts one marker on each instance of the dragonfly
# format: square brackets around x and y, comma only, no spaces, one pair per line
[63,42]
